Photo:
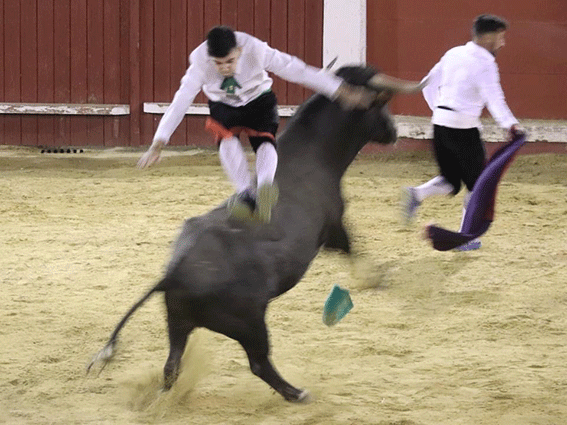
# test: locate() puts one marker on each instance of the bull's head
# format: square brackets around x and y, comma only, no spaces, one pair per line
[377,118]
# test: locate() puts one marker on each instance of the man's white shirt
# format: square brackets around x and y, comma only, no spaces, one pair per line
[256,59]
[466,79]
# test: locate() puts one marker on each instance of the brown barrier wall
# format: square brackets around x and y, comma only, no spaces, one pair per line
[407,37]
[128,52]
[64,51]
[135,51]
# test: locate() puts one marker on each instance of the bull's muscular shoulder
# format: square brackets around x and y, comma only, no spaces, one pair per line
[336,237]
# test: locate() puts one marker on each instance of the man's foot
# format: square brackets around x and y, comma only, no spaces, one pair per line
[267,198]
[241,206]
[469,246]
[409,204]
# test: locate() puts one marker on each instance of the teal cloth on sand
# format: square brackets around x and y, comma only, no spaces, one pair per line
[337,306]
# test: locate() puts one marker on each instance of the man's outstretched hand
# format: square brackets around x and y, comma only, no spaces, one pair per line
[516,131]
[152,155]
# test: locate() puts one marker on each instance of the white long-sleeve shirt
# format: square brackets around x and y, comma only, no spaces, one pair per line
[256,59]
[466,79]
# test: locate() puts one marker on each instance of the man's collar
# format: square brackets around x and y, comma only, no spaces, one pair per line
[238,69]
[481,50]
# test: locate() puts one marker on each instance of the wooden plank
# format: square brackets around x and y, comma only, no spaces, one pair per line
[212,17]
[112,74]
[147,66]
[313,41]
[20,108]
[124,122]
[229,13]
[296,45]
[245,16]
[278,37]
[45,76]
[62,54]
[212,14]
[78,45]
[195,25]
[12,43]
[262,13]
[62,68]
[203,109]
[2,65]
[178,60]
[195,35]
[29,67]
[162,65]
[162,50]
[12,69]
[134,69]
[95,69]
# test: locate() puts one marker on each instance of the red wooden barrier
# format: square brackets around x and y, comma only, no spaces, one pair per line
[129,52]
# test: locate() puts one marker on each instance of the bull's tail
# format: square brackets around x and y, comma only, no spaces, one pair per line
[106,354]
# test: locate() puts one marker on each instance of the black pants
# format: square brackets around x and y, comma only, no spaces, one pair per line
[260,116]
[460,155]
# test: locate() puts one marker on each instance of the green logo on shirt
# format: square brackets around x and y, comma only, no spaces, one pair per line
[229,85]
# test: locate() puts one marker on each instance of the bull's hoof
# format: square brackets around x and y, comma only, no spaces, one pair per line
[302,397]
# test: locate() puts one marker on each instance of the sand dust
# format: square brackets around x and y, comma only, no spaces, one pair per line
[433,338]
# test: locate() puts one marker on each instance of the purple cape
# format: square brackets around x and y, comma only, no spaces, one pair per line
[480,210]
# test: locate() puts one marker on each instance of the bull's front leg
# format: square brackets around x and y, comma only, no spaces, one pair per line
[337,238]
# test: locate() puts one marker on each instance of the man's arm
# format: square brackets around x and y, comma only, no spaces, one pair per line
[294,70]
[433,82]
[191,84]
[493,96]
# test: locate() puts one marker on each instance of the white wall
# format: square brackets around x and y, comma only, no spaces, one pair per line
[344,31]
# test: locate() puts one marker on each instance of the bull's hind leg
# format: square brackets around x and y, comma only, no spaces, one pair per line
[179,329]
[257,348]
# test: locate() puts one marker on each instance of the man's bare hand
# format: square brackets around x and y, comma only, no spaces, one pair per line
[516,131]
[152,155]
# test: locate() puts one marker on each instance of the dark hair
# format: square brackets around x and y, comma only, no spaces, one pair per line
[220,41]
[356,75]
[488,23]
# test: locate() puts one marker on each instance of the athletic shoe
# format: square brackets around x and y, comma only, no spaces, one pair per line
[409,204]
[469,246]
[241,206]
[267,198]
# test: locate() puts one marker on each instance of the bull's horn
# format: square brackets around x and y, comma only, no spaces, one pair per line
[385,82]
[330,65]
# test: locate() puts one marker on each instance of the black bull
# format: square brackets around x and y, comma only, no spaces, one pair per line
[223,272]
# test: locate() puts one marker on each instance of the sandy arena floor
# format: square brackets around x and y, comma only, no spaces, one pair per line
[434,338]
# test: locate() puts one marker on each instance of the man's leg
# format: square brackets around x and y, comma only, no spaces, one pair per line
[232,157]
[414,196]
[475,243]
[234,162]
[262,124]
[448,182]
[472,159]
[266,165]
